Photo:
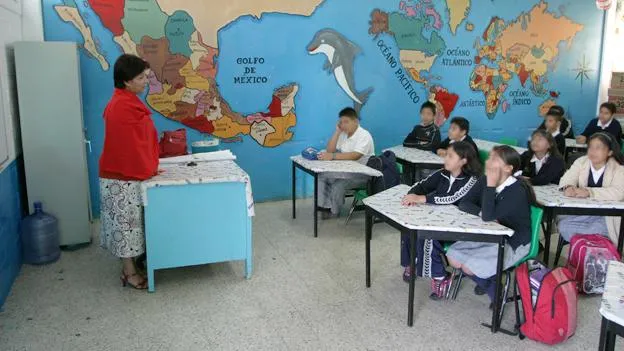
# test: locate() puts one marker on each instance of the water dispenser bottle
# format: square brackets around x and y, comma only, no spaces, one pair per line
[40,237]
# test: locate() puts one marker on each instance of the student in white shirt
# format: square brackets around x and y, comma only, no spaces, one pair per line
[349,142]
[599,175]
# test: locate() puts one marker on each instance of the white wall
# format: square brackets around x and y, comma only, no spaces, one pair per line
[613,49]
[19,20]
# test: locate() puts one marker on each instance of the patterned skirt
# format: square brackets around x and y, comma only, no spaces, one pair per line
[122,231]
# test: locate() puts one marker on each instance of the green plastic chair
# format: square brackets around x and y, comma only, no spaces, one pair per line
[536,219]
[509,141]
[483,156]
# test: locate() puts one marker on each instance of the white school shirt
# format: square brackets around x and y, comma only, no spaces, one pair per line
[604,126]
[462,139]
[510,180]
[361,142]
[539,163]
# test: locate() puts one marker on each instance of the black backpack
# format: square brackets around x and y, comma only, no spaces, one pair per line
[386,164]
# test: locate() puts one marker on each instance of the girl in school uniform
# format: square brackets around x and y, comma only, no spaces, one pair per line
[503,197]
[443,187]
[599,175]
[542,164]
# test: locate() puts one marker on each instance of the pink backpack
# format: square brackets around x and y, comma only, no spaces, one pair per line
[588,259]
[552,318]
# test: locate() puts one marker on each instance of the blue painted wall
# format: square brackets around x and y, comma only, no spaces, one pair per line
[10,217]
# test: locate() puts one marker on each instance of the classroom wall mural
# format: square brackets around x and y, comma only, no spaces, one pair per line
[268,77]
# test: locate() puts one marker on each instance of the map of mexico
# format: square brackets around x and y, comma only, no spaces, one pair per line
[183,86]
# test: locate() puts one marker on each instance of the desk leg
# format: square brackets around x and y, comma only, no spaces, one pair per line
[294,191]
[410,303]
[368,227]
[621,237]
[607,337]
[499,285]
[315,205]
[249,259]
[549,221]
[150,278]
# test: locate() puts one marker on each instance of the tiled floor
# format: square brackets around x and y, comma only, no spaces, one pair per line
[305,294]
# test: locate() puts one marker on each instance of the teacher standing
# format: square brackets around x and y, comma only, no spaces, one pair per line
[130,156]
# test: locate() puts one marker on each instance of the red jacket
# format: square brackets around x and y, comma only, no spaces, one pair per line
[130,139]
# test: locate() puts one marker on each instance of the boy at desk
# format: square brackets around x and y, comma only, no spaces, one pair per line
[426,135]
[604,123]
[458,131]
[350,142]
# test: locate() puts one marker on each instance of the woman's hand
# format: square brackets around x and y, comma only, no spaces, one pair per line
[582,193]
[325,156]
[413,199]
[161,171]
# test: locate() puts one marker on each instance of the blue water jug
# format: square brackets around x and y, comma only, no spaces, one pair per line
[40,237]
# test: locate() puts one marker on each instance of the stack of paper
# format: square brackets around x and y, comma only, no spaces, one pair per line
[224,155]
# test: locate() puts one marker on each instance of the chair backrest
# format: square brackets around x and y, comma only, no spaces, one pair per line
[536,221]
[483,156]
[509,141]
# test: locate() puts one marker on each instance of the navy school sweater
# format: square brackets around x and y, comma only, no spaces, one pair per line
[439,190]
[510,208]
[614,128]
[423,137]
[550,173]
[565,128]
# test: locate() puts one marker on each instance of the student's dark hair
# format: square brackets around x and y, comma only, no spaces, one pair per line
[430,105]
[348,112]
[556,110]
[609,141]
[609,106]
[511,157]
[465,150]
[555,114]
[127,67]
[552,144]
[462,123]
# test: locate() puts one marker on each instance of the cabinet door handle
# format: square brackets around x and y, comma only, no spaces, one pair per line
[88,142]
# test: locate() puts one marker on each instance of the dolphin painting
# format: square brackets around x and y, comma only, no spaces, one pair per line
[340,54]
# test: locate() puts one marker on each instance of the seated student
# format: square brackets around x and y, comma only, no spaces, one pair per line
[542,164]
[565,128]
[552,123]
[604,123]
[349,142]
[426,135]
[444,187]
[501,197]
[599,175]
[458,131]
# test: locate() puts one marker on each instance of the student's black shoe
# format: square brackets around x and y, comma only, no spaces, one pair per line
[479,290]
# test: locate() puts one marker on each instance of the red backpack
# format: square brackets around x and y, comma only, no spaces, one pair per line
[588,259]
[552,319]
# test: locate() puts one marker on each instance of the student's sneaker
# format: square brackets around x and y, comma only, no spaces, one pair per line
[407,274]
[439,287]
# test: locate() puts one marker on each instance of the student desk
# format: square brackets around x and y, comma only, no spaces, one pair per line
[197,215]
[572,144]
[554,203]
[441,222]
[413,159]
[314,168]
[487,146]
[612,307]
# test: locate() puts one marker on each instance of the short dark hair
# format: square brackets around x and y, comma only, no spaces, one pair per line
[430,105]
[609,106]
[127,67]
[462,123]
[556,110]
[348,112]
[555,114]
